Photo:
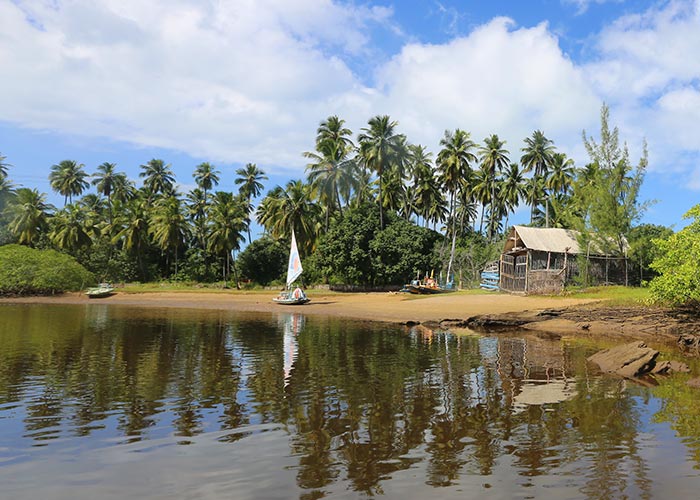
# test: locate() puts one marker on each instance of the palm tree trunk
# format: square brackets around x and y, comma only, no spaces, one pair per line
[454,235]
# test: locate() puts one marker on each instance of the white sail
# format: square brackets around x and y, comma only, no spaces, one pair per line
[294,268]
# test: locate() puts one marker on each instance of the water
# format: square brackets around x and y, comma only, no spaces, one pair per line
[106,402]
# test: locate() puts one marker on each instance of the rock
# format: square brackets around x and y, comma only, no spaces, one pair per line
[689,341]
[628,360]
[666,367]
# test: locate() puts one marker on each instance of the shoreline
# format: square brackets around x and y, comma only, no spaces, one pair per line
[562,316]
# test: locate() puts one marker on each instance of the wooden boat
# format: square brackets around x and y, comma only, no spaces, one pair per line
[100,291]
[428,285]
[296,296]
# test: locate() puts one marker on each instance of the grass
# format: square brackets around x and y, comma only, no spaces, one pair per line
[614,295]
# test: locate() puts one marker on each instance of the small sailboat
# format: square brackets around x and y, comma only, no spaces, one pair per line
[296,296]
[100,291]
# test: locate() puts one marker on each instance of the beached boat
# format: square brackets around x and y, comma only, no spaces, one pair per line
[296,296]
[428,285]
[100,291]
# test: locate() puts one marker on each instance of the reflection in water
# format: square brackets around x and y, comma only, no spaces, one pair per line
[288,406]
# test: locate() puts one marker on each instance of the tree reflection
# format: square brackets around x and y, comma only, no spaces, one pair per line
[360,402]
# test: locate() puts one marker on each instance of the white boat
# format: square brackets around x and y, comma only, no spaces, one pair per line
[100,291]
[296,296]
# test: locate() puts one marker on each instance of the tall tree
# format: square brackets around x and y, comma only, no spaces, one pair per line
[380,147]
[453,162]
[168,226]
[613,197]
[3,167]
[331,168]
[29,214]
[512,189]
[228,221]
[250,180]
[206,176]
[69,230]
[130,230]
[536,158]
[158,179]
[494,159]
[104,181]
[68,178]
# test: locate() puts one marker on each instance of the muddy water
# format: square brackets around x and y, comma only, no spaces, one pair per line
[101,401]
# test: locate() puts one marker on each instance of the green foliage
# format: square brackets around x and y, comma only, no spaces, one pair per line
[678,282]
[264,260]
[643,251]
[26,271]
[473,253]
[356,252]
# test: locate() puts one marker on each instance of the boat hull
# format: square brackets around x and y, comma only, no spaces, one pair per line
[292,302]
[426,290]
[99,294]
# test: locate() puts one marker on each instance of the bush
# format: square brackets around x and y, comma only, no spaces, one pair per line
[264,261]
[356,252]
[678,282]
[26,271]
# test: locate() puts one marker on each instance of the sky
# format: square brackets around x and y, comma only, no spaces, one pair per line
[248,81]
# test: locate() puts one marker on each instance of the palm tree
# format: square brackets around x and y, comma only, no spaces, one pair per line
[512,189]
[331,170]
[197,208]
[158,179]
[228,221]
[103,181]
[559,180]
[380,147]
[29,215]
[290,209]
[69,231]
[206,176]
[130,229]
[68,178]
[168,227]
[534,191]
[3,167]
[537,156]
[6,192]
[250,179]
[453,162]
[123,190]
[494,159]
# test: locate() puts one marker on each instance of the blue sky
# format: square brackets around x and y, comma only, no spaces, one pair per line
[239,81]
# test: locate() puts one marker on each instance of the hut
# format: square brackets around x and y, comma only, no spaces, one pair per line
[543,260]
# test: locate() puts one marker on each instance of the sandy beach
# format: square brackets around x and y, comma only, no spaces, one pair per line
[391,307]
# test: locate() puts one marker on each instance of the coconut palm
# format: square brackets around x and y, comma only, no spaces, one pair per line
[250,180]
[227,223]
[206,176]
[494,159]
[380,147]
[104,181]
[123,190]
[559,180]
[130,229]
[158,179]
[29,214]
[197,208]
[453,163]
[6,193]
[512,189]
[292,208]
[69,230]
[68,178]
[168,227]
[3,167]
[330,171]
[536,158]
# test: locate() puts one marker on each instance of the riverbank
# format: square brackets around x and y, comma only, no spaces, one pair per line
[561,315]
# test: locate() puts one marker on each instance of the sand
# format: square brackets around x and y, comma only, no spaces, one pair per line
[391,307]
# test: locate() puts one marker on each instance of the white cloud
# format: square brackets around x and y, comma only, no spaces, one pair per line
[583,5]
[249,80]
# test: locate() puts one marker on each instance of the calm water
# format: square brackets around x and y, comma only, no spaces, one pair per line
[109,402]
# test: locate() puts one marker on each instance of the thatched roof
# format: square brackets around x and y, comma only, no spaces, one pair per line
[548,240]
[543,239]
